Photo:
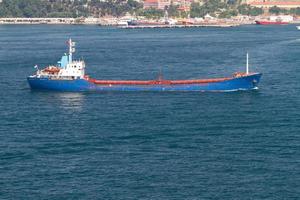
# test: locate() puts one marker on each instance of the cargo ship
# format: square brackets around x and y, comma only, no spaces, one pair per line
[69,75]
[271,23]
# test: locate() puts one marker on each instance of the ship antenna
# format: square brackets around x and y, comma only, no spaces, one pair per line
[247,63]
[160,75]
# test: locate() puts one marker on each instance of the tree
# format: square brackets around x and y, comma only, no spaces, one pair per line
[228,14]
[66,8]
[153,13]
[173,11]
[295,11]
[275,10]
[209,7]
[248,10]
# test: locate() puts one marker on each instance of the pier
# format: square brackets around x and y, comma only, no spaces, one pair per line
[178,26]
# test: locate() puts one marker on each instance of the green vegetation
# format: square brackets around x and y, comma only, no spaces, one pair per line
[276,11]
[248,10]
[209,7]
[173,11]
[223,10]
[228,13]
[40,8]
[84,8]
[114,7]
[67,8]
[295,11]
[151,13]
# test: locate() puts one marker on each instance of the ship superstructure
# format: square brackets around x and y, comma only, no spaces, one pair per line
[65,69]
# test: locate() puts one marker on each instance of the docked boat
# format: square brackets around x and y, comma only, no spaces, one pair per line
[271,22]
[145,23]
[69,75]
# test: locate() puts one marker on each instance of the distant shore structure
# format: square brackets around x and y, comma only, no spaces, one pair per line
[146,23]
[266,4]
[158,4]
[180,26]
[183,5]
[159,23]
[17,20]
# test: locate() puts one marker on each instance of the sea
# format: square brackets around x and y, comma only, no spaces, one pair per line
[151,145]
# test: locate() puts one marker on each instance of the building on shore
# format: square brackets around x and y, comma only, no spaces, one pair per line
[183,5]
[157,4]
[266,4]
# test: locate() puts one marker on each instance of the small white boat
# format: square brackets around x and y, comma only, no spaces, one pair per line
[298,27]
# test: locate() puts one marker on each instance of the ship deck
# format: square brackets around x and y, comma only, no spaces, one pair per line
[155,82]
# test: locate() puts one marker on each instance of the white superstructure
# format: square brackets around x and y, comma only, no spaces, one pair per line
[66,68]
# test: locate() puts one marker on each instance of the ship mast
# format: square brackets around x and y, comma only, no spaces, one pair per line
[71,49]
[247,63]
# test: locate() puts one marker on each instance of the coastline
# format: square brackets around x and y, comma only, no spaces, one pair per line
[116,22]
[124,23]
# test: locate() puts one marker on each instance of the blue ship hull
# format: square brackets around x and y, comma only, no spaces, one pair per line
[247,82]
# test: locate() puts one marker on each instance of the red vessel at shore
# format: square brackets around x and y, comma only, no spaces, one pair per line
[271,23]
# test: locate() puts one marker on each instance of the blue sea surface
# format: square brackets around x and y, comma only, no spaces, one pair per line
[151,145]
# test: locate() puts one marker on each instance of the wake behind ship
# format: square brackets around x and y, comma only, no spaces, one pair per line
[69,75]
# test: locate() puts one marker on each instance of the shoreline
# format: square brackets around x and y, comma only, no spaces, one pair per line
[114,22]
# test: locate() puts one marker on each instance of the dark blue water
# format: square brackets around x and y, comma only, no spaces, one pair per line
[147,145]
